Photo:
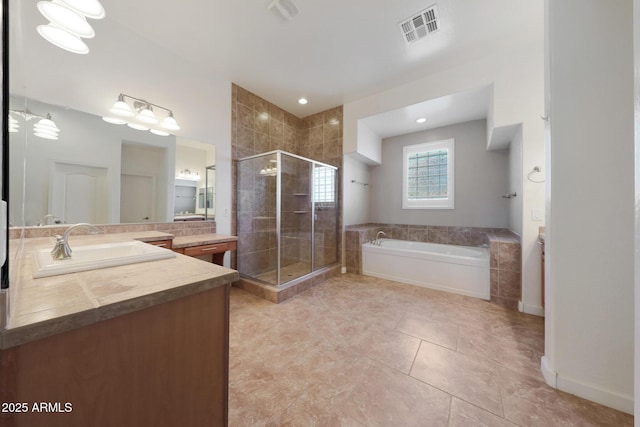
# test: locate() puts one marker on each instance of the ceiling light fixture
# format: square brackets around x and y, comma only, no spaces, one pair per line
[421,120]
[68,22]
[303,101]
[143,112]
[44,128]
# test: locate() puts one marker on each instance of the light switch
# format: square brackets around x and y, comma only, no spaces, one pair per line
[536,214]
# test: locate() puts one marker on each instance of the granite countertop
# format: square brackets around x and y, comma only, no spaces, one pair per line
[201,239]
[50,305]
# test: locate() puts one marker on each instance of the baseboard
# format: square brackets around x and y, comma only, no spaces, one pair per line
[550,376]
[533,309]
[520,306]
[608,398]
[343,270]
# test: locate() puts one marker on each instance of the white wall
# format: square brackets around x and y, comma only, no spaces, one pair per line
[481,179]
[518,81]
[356,195]
[590,316]
[515,183]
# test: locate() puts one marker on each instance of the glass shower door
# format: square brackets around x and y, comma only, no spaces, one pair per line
[256,218]
[295,215]
[325,185]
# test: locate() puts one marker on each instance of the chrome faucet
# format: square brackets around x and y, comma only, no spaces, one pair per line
[377,242]
[62,250]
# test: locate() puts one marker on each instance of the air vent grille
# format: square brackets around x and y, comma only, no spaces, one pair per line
[420,25]
[287,8]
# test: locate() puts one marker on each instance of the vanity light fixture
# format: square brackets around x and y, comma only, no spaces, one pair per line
[187,174]
[121,108]
[68,22]
[146,114]
[270,170]
[44,128]
[142,111]
[159,132]
[137,126]
[14,125]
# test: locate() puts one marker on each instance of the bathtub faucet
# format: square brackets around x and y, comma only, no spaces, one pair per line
[377,242]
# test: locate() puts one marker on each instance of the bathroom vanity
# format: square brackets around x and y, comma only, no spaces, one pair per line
[205,246]
[133,345]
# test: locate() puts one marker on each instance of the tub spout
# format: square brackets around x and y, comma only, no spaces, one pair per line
[378,242]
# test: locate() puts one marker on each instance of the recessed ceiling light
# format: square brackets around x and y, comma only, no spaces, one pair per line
[421,120]
[302,101]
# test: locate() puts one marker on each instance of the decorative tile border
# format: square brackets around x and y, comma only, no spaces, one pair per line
[181,228]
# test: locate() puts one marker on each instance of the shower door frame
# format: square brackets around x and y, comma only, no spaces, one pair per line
[313,164]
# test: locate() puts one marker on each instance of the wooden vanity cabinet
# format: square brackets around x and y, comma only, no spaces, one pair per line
[215,251]
[168,243]
[165,365]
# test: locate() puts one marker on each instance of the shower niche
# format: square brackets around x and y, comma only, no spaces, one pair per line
[287,217]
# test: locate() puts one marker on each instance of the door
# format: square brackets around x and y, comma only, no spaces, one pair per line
[78,193]
[136,198]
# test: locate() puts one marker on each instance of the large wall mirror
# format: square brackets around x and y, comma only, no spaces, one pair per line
[102,173]
[96,171]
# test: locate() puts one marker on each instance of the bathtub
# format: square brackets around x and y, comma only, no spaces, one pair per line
[459,269]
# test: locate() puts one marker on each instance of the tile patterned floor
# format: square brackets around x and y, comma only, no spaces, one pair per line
[361,351]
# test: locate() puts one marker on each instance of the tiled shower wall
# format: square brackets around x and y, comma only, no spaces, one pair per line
[257,126]
[503,244]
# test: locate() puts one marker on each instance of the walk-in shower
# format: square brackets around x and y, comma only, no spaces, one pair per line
[287,217]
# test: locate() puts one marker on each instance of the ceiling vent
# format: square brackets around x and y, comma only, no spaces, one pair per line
[286,8]
[420,25]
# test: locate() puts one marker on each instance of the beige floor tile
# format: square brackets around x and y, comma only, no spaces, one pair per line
[358,351]
[475,381]
[444,334]
[387,397]
[531,402]
[504,350]
[464,414]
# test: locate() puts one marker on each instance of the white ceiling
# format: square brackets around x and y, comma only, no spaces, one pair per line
[333,52]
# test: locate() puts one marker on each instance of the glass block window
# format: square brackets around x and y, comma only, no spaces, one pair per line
[428,175]
[324,184]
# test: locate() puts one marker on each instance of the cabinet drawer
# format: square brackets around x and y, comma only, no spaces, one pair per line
[210,249]
[162,243]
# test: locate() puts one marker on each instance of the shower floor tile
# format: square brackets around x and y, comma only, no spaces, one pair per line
[287,273]
[362,351]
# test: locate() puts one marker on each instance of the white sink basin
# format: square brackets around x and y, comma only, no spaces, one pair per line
[97,256]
